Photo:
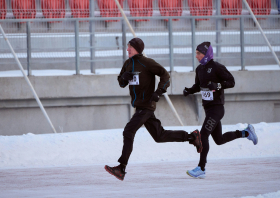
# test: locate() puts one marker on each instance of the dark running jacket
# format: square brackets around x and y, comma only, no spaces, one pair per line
[148,68]
[214,72]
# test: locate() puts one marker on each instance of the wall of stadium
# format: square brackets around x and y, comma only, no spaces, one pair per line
[90,102]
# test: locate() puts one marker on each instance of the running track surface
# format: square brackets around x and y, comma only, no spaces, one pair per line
[224,178]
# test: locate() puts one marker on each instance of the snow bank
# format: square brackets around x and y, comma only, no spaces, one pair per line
[105,146]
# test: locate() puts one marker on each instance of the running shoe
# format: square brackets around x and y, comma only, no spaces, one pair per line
[252,134]
[196,173]
[116,171]
[197,141]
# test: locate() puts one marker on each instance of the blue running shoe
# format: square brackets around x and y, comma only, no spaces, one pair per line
[196,173]
[252,135]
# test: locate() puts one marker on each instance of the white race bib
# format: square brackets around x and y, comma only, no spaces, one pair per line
[135,80]
[207,95]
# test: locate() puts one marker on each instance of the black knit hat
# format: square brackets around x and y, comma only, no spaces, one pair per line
[203,47]
[137,44]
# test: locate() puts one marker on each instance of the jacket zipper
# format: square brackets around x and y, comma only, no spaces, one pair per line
[133,85]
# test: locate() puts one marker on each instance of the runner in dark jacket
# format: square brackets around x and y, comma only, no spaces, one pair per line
[139,72]
[211,79]
[146,68]
[212,73]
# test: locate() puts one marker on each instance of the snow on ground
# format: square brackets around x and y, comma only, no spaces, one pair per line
[104,146]
[20,155]
[268,195]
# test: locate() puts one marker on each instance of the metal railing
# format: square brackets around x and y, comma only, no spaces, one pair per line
[171,43]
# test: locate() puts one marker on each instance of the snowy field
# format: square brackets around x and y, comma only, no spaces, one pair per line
[72,165]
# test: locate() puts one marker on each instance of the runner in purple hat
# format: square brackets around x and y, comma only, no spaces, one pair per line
[211,79]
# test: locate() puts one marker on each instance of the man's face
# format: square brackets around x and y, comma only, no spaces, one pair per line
[199,55]
[131,51]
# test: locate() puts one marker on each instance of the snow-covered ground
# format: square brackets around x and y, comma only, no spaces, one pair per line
[26,158]
[104,146]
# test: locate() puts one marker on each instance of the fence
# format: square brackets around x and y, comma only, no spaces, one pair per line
[100,42]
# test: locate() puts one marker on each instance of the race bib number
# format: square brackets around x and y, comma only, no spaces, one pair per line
[135,80]
[207,95]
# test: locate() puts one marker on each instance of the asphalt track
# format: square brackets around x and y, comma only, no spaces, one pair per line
[224,178]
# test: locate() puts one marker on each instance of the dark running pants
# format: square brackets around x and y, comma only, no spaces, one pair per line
[153,125]
[212,125]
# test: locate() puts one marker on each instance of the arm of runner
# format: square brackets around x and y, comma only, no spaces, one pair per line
[196,87]
[227,79]
[160,71]
[123,83]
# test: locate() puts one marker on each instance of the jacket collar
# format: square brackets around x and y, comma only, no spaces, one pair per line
[136,56]
[207,64]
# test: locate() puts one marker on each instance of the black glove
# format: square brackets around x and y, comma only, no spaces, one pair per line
[157,94]
[214,86]
[186,91]
[127,76]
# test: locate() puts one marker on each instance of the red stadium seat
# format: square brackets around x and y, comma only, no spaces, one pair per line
[260,7]
[53,8]
[24,9]
[79,8]
[170,8]
[3,9]
[109,8]
[201,8]
[140,8]
[231,7]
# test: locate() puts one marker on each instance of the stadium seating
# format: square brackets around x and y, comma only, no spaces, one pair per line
[170,8]
[260,7]
[201,8]
[140,8]
[24,9]
[109,8]
[278,5]
[3,9]
[79,8]
[231,7]
[53,8]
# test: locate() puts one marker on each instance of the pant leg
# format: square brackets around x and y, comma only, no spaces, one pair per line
[154,127]
[211,123]
[137,120]
[220,138]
